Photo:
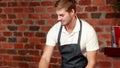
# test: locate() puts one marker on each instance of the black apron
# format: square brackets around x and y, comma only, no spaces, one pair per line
[72,56]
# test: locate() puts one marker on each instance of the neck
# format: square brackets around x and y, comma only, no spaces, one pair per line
[71,25]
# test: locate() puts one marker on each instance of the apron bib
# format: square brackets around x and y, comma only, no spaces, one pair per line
[72,56]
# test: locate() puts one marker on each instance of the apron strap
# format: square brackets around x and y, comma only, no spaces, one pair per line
[79,36]
[80,32]
[59,35]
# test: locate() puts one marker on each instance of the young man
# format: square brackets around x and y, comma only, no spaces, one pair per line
[75,38]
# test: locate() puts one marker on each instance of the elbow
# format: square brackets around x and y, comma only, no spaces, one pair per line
[91,64]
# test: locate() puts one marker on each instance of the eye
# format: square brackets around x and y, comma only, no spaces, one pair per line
[62,15]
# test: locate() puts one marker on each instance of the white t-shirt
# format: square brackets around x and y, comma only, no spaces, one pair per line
[88,41]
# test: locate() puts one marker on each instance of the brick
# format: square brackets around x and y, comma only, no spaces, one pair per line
[7,33]
[79,9]
[34,40]
[11,16]
[40,34]
[99,2]
[40,22]
[99,29]
[47,3]
[34,16]
[18,46]
[91,9]
[12,4]
[56,54]
[7,57]
[29,34]
[93,22]
[53,60]
[112,15]
[29,22]
[33,65]
[34,52]
[33,4]
[85,2]
[45,16]
[18,58]
[104,36]
[109,43]
[54,16]
[7,22]
[11,51]
[96,15]
[18,21]
[17,34]
[51,22]
[39,46]
[1,63]
[2,39]
[45,28]
[3,16]
[50,9]
[17,10]
[21,16]
[40,9]
[29,10]
[11,64]
[8,10]
[33,59]
[106,9]
[2,51]
[22,28]
[22,40]
[23,65]
[23,4]
[29,46]
[12,28]
[106,22]
[116,64]
[54,66]
[3,4]
[82,15]
[42,40]
[34,28]
[111,1]
[23,52]
[0,10]
[12,39]
[105,64]
[2,27]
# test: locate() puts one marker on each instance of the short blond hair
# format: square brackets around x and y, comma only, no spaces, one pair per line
[67,4]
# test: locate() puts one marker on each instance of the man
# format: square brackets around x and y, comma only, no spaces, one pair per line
[75,38]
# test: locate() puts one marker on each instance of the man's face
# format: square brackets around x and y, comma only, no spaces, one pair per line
[64,17]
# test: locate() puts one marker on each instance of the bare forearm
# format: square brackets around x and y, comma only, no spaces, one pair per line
[91,57]
[43,64]
[90,65]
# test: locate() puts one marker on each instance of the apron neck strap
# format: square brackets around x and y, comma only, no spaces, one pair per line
[59,35]
[80,32]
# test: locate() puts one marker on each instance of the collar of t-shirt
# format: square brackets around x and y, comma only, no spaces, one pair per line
[76,29]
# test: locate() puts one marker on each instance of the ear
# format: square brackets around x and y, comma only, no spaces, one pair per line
[72,11]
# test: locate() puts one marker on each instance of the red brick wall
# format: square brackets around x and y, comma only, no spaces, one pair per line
[24,24]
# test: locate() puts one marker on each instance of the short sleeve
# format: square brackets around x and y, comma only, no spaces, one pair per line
[52,35]
[92,41]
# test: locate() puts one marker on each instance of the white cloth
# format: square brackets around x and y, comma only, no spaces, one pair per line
[88,41]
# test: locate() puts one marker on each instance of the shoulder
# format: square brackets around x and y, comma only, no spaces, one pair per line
[86,25]
[55,28]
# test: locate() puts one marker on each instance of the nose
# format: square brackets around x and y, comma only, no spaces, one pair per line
[59,18]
